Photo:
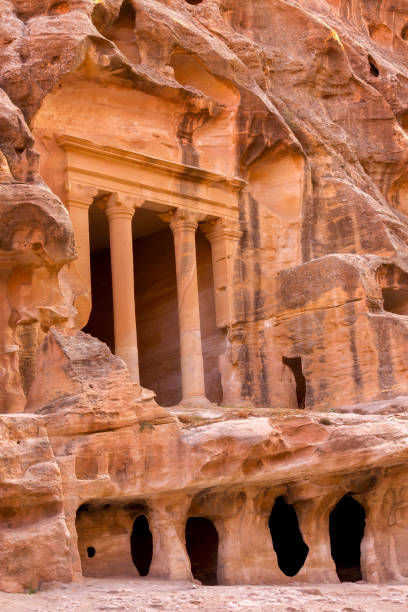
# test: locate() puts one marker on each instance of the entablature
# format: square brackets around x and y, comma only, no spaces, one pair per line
[142,180]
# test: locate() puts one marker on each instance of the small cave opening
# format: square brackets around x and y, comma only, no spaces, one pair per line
[393,282]
[404,32]
[141,545]
[395,301]
[295,364]
[346,526]
[91,552]
[381,34]
[373,67]
[202,548]
[194,2]
[291,550]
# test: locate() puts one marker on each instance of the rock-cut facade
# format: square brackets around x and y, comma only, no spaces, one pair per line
[204,291]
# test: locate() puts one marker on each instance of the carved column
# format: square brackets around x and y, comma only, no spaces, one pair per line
[168,522]
[123,284]
[184,225]
[80,198]
[224,236]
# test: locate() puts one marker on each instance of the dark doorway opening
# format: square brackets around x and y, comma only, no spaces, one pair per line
[295,364]
[202,548]
[141,545]
[373,67]
[346,525]
[287,538]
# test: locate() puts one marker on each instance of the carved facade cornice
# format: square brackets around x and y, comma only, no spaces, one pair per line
[149,179]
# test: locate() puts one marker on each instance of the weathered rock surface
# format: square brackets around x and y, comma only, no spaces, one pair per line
[298,109]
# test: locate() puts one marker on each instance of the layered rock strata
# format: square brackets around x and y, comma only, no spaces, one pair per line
[216,193]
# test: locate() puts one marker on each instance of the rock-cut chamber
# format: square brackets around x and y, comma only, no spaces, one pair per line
[287,538]
[346,525]
[202,548]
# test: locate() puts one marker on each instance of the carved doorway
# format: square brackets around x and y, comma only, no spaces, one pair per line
[202,548]
[346,525]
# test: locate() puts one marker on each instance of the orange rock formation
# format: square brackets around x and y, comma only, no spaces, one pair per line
[204,290]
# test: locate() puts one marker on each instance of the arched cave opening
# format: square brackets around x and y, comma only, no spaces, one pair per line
[346,526]
[141,545]
[194,2]
[373,67]
[202,548]
[291,550]
[393,282]
[381,34]
[114,538]
[404,32]
[395,301]
[295,364]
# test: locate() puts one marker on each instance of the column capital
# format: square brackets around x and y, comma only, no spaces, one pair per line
[219,229]
[79,194]
[180,219]
[115,207]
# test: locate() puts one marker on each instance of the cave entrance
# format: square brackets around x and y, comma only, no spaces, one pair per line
[141,545]
[373,67]
[287,538]
[395,301]
[114,538]
[202,548]
[394,288]
[295,364]
[346,525]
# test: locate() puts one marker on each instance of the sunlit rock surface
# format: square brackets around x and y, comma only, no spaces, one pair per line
[243,164]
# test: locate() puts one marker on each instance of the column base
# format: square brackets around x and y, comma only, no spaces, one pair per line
[196,402]
[195,414]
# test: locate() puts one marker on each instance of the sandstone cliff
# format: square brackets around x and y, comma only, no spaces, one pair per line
[291,115]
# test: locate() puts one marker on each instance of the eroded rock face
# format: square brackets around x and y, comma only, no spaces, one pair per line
[33,524]
[283,127]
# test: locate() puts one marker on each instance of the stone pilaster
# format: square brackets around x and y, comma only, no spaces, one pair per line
[80,198]
[224,236]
